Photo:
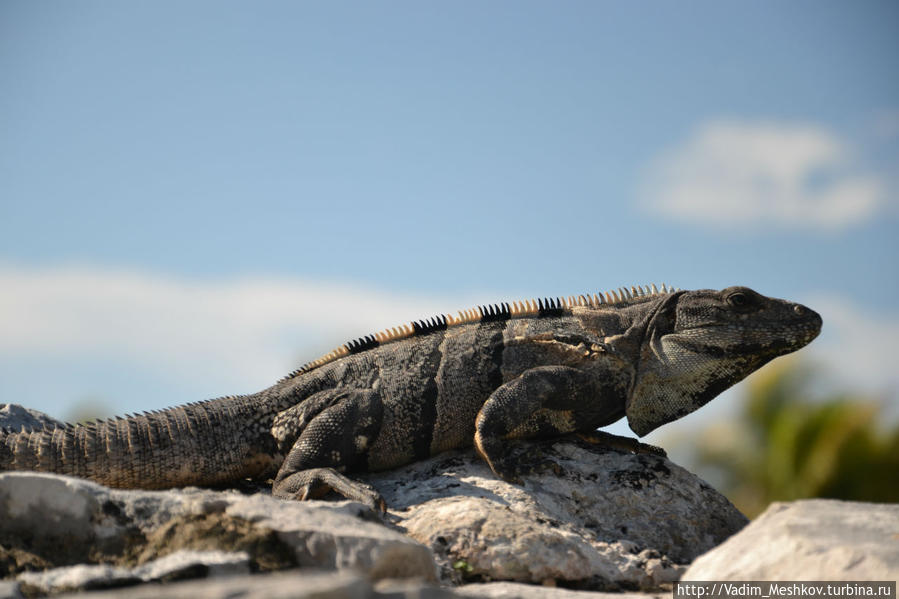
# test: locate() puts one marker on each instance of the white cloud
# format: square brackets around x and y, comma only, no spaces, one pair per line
[748,174]
[241,331]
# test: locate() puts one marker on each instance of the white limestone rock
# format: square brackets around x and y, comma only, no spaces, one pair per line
[175,566]
[813,539]
[606,521]
[517,590]
[68,521]
[15,417]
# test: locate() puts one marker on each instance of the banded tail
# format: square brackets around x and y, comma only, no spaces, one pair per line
[205,444]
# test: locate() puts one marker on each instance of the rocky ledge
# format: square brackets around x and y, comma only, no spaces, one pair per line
[598,521]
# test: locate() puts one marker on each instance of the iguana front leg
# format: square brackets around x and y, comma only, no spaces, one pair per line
[543,401]
[334,440]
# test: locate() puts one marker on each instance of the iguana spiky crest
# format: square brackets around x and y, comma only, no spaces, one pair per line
[503,311]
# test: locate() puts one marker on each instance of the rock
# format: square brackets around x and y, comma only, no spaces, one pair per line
[9,589]
[341,585]
[410,589]
[14,417]
[608,521]
[816,539]
[54,520]
[175,566]
[283,585]
[516,590]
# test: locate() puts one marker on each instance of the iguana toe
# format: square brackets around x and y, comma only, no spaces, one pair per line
[315,483]
[627,444]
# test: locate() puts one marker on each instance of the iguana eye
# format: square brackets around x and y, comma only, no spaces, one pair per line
[738,300]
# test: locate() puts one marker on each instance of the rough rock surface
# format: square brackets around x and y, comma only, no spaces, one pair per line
[15,417]
[175,566]
[50,521]
[286,585]
[340,585]
[600,519]
[514,590]
[815,539]
[9,589]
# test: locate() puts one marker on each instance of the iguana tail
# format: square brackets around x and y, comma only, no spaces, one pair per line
[6,455]
[204,444]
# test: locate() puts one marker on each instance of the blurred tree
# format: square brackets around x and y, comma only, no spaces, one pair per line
[786,445]
[87,409]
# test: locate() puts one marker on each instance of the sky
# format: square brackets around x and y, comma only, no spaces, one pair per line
[197,197]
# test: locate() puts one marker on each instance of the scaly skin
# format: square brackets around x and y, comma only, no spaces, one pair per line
[523,370]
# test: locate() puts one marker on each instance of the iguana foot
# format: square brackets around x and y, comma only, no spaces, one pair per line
[315,483]
[523,459]
[623,443]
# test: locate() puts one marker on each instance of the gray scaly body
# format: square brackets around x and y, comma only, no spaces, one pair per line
[521,370]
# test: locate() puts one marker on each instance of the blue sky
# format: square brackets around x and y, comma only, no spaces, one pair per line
[195,196]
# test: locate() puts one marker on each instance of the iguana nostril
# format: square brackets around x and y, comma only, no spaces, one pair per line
[800,310]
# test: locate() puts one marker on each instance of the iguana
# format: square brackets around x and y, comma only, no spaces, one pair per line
[514,370]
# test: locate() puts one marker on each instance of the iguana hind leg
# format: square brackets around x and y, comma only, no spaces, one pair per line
[335,439]
[289,424]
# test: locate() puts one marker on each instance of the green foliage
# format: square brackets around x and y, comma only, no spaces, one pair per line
[463,566]
[87,409]
[786,445]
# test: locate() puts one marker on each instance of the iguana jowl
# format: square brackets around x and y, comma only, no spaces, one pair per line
[520,370]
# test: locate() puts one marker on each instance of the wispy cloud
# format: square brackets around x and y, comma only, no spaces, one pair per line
[739,174]
[240,329]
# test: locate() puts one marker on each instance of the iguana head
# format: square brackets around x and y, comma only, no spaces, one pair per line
[696,344]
